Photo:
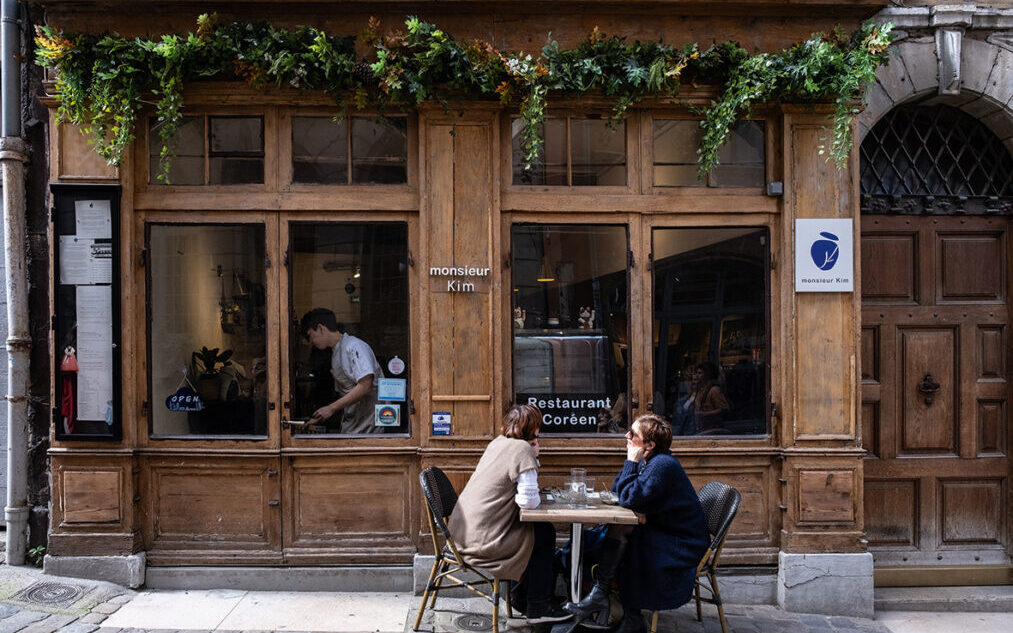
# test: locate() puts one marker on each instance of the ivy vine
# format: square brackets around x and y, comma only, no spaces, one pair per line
[103,79]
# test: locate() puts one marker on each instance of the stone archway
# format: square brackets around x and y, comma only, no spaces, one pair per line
[977,67]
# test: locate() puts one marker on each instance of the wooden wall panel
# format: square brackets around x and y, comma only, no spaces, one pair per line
[928,427]
[894,259]
[825,324]
[95,509]
[90,496]
[824,387]
[75,159]
[825,496]
[205,504]
[971,512]
[992,352]
[870,428]
[992,424]
[971,268]
[870,354]
[891,512]
[461,229]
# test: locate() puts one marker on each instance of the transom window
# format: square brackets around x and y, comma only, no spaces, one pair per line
[577,152]
[741,158]
[918,150]
[211,150]
[321,148]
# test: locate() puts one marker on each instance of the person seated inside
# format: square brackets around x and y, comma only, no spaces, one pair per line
[486,521]
[655,561]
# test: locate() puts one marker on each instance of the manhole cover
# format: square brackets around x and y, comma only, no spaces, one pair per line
[50,593]
[473,622]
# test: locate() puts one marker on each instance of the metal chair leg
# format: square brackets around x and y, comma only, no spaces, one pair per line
[510,607]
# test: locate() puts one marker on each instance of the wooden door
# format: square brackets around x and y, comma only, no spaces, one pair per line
[935,389]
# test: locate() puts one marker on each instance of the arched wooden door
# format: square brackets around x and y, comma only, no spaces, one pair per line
[936,361]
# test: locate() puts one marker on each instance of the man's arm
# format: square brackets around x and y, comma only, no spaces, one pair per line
[356,393]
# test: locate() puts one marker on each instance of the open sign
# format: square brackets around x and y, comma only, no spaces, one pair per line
[185,399]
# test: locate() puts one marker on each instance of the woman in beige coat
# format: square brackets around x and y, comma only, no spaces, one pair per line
[486,520]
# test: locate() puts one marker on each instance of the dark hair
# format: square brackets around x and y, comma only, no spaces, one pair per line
[654,428]
[521,422]
[318,316]
[710,370]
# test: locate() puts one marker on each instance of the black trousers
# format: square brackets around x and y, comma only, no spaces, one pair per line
[539,579]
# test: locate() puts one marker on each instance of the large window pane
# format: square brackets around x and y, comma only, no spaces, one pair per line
[711,353]
[207,333]
[352,281]
[570,325]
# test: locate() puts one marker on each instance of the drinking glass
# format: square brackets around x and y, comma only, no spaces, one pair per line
[578,488]
[589,486]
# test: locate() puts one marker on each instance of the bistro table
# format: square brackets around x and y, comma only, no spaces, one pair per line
[553,511]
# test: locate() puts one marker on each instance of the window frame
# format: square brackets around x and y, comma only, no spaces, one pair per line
[770,163]
[633,379]
[285,162]
[778,348]
[268,117]
[632,125]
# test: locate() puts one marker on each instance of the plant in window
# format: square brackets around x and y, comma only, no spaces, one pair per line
[208,365]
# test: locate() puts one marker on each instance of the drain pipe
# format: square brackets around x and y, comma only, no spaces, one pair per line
[13,156]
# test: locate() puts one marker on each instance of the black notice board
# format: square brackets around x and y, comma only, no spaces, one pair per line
[86,305]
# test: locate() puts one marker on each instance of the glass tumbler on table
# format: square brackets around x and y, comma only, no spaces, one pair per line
[578,488]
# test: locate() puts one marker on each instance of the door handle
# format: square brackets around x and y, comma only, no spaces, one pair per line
[297,424]
[928,387]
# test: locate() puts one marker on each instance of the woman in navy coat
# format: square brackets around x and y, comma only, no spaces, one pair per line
[655,560]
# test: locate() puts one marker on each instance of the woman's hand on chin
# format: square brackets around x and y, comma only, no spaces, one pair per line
[635,453]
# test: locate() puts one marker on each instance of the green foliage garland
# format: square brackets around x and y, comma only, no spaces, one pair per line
[103,78]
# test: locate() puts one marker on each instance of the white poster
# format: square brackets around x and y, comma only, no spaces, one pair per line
[824,255]
[94,351]
[92,219]
[75,256]
[84,261]
[100,262]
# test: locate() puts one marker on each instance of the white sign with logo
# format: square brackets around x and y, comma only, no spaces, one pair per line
[824,255]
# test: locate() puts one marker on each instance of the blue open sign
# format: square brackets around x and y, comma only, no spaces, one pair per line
[185,399]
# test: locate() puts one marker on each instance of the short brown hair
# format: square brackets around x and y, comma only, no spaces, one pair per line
[521,422]
[654,428]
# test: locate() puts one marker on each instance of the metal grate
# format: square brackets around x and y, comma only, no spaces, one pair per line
[934,151]
[51,594]
[473,622]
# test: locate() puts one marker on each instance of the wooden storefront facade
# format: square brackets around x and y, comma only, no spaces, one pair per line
[285,497]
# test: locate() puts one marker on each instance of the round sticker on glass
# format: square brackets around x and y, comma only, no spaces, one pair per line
[396,366]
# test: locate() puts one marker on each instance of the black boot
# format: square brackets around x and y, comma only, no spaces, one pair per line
[595,606]
[632,622]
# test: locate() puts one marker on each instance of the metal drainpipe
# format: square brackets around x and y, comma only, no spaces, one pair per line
[13,156]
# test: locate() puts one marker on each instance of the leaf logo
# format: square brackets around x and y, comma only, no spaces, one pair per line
[824,252]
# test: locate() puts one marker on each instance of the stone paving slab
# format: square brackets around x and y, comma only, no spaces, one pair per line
[740,618]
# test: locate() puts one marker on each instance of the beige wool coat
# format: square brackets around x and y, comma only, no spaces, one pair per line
[486,523]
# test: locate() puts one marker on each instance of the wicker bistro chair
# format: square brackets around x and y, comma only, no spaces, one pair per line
[449,566]
[720,505]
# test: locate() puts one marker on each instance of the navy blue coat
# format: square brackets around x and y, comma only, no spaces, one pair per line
[659,567]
